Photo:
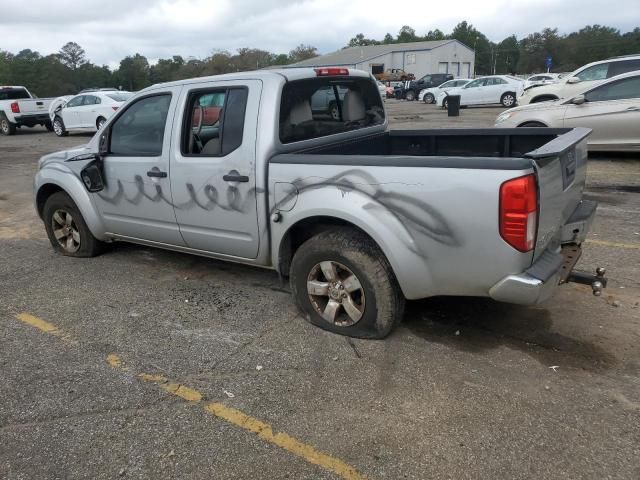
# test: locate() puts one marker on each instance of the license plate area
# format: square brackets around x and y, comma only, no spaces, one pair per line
[571,253]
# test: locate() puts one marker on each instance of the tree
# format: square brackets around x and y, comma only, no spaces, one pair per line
[472,38]
[133,73]
[359,41]
[407,34]
[436,34]
[302,52]
[72,55]
[388,38]
[507,55]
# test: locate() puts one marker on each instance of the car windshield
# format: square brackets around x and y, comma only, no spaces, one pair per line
[120,96]
[13,94]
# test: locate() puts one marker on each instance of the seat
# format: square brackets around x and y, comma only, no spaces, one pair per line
[353,108]
[212,147]
[300,113]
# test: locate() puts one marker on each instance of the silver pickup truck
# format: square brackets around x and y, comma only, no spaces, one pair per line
[359,218]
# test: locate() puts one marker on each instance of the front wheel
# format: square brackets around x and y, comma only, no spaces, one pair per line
[428,98]
[445,104]
[508,99]
[59,128]
[410,95]
[343,283]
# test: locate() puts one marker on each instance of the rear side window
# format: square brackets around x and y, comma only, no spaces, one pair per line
[13,94]
[214,122]
[119,97]
[623,66]
[323,106]
[139,130]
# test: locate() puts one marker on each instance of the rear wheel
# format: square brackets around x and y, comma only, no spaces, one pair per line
[508,99]
[6,127]
[410,95]
[100,122]
[428,98]
[343,283]
[59,128]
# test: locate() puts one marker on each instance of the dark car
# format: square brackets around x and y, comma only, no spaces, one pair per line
[410,90]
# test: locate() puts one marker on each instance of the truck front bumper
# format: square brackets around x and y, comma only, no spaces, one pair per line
[538,283]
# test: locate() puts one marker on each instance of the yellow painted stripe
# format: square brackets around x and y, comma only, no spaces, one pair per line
[284,441]
[173,388]
[115,361]
[44,326]
[635,246]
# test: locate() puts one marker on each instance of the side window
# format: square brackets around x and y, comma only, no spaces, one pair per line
[623,66]
[214,122]
[476,83]
[139,130]
[90,100]
[620,90]
[75,102]
[597,72]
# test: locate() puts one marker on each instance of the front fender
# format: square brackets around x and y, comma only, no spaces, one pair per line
[63,177]
[383,225]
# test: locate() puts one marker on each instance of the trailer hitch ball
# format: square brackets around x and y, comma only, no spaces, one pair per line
[597,287]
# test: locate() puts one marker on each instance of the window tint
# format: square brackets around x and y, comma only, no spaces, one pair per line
[476,83]
[622,89]
[75,102]
[13,94]
[597,72]
[623,66]
[139,130]
[323,106]
[214,122]
[120,97]
[91,100]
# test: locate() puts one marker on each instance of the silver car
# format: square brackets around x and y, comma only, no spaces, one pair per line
[611,109]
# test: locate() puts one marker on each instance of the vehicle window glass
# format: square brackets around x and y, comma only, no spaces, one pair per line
[596,72]
[214,122]
[499,81]
[622,89]
[322,106]
[448,84]
[120,97]
[623,66]
[475,83]
[13,94]
[139,130]
[90,100]
[426,78]
[75,102]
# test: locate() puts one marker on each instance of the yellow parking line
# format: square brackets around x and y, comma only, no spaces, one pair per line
[635,246]
[253,425]
[45,326]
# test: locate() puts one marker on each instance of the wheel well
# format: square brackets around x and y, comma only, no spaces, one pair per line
[529,124]
[543,98]
[507,93]
[303,231]
[43,194]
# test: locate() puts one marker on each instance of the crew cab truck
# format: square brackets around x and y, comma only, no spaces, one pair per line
[18,108]
[357,216]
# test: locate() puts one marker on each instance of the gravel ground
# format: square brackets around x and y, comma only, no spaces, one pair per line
[465,388]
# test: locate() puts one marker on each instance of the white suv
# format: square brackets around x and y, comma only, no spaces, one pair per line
[580,79]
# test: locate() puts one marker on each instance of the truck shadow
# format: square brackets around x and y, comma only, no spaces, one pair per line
[480,324]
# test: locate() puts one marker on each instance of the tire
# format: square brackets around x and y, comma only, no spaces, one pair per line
[508,99]
[410,95]
[532,124]
[48,125]
[59,128]
[6,127]
[374,294]
[66,228]
[100,122]
[445,103]
[429,98]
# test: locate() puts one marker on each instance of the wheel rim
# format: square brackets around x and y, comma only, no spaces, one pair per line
[336,294]
[65,231]
[508,100]
[57,127]
[4,125]
[101,124]
[429,98]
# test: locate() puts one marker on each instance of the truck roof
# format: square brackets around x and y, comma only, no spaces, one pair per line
[289,74]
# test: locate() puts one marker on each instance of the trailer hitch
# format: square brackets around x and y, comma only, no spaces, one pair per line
[598,281]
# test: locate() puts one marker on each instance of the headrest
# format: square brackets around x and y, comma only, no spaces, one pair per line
[353,108]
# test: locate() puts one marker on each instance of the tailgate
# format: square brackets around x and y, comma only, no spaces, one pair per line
[561,168]
[36,105]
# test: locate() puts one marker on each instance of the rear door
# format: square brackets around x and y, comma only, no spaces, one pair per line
[213,167]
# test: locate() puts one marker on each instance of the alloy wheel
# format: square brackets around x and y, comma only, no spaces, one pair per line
[65,231]
[57,127]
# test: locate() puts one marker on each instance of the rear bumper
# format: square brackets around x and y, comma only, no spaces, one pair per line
[32,119]
[538,283]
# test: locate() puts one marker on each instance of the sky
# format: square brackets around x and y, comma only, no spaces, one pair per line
[110,30]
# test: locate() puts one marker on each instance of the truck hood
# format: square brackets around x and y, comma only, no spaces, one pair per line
[62,155]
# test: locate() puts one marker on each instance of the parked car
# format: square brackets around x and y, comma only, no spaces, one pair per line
[611,109]
[86,111]
[324,101]
[541,79]
[411,90]
[494,89]
[395,75]
[429,95]
[18,108]
[582,78]
[358,217]
[382,89]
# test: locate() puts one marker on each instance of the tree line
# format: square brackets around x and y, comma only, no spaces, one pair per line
[69,70]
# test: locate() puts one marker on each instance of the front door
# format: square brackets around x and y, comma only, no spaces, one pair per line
[87,112]
[213,167]
[137,201]
[69,113]
[472,92]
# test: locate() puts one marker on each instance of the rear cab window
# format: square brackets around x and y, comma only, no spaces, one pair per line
[14,94]
[317,107]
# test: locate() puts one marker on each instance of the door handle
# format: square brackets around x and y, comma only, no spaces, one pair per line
[235,178]
[156,173]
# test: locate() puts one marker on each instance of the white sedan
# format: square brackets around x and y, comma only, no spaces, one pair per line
[611,109]
[87,111]
[429,95]
[494,89]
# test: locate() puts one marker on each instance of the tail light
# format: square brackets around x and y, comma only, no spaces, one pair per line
[115,108]
[15,108]
[325,72]
[519,212]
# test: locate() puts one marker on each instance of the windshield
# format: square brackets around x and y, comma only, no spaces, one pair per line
[322,106]
[13,94]
[120,96]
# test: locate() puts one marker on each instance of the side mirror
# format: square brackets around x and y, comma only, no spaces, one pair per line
[579,100]
[573,80]
[92,176]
